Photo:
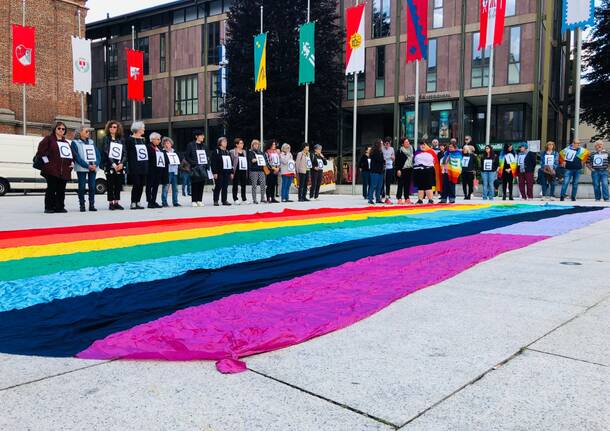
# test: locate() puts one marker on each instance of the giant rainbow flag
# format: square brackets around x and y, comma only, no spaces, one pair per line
[224,288]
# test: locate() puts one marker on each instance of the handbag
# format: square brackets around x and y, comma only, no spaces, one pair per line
[37,163]
[266,170]
[549,171]
[199,173]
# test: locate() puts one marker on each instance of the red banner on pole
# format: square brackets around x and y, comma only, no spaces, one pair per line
[417,30]
[24,55]
[135,75]
[492,23]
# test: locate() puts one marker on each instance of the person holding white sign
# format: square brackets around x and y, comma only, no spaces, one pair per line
[197,157]
[549,162]
[489,166]
[317,174]
[239,160]
[170,173]
[469,170]
[257,162]
[273,158]
[507,170]
[598,163]
[137,162]
[222,170]
[572,159]
[156,167]
[114,159]
[304,165]
[87,158]
[287,171]
[57,160]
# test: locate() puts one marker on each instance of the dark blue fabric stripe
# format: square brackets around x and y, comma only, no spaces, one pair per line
[65,327]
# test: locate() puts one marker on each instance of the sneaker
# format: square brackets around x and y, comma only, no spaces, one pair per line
[165,205]
[305,200]
[255,202]
[430,201]
[388,201]
[82,208]
[111,207]
[226,204]
[118,207]
[235,202]
[408,202]
[452,201]
[419,202]
[200,204]
[371,203]
[216,204]
[63,210]
[400,202]
[552,198]
[442,201]
[195,204]
[49,211]
[177,205]
[562,199]
[92,208]
[573,199]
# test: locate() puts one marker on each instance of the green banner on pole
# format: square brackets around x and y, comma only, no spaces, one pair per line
[307,54]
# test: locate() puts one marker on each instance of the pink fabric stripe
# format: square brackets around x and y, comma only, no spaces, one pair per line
[290,312]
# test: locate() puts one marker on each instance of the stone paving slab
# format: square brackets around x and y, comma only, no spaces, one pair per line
[151,396]
[411,355]
[586,338]
[532,392]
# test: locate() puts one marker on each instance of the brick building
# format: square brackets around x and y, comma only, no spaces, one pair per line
[183,75]
[53,98]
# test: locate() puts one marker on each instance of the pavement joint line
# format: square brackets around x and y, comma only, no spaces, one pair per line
[504,362]
[568,357]
[336,403]
[55,375]
[529,298]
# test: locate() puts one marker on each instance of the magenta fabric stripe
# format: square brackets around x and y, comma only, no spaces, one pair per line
[290,312]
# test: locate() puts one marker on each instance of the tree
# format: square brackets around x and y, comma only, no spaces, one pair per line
[284,100]
[596,93]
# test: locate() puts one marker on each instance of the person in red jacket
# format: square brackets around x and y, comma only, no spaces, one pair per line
[57,161]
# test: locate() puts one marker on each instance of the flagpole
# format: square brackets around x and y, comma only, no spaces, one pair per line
[489,88]
[307,86]
[354,133]
[82,95]
[261,92]
[416,129]
[23,95]
[578,79]
[133,46]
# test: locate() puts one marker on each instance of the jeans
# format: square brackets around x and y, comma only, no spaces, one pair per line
[548,184]
[86,179]
[526,185]
[448,191]
[375,187]
[366,183]
[173,182]
[488,184]
[286,182]
[600,184]
[570,175]
[185,180]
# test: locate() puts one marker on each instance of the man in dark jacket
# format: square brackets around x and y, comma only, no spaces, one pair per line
[526,165]
[198,158]
[222,169]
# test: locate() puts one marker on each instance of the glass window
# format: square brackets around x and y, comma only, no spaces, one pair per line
[350,86]
[226,5]
[216,92]
[142,45]
[380,72]
[437,14]
[213,42]
[147,105]
[431,76]
[381,18]
[190,13]
[511,7]
[186,95]
[113,62]
[125,105]
[162,54]
[480,63]
[514,56]
[511,122]
[178,16]
[215,7]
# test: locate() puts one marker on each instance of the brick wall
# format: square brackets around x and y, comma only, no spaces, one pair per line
[52,98]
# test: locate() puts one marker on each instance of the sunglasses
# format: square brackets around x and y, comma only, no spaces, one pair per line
[113,127]
[61,128]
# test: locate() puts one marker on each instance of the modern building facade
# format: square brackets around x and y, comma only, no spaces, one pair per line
[184,73]
[53,98]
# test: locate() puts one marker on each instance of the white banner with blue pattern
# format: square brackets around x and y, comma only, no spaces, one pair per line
[577,14]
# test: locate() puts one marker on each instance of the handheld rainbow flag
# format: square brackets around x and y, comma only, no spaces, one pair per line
[260,62]
[453,162]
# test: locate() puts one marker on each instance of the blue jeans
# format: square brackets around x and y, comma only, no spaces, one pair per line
[375,187]
[173,181]
[572,175]
[548,184]
[488,185]
[366,183]
[86,180]
[286,182]
[185,180]
[600,184]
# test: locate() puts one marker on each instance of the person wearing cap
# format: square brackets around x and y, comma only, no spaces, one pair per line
[198,159]
[257,163]
[222,170]
[598,163]
[86,161]
[239,159]
[137,162]
[318,162]
[304,165]
[526,166]
[404,171]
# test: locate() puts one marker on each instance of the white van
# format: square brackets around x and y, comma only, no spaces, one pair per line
[17,173]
